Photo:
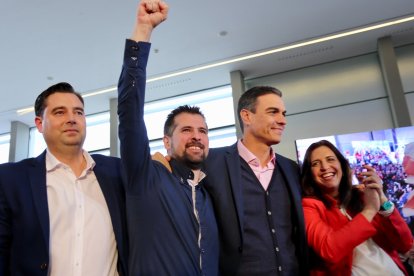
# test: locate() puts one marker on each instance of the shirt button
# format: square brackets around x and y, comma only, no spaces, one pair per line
[280,268]
[135,48]
[43,266]
[277,249]
[273,231]
[269,213]
[267,193]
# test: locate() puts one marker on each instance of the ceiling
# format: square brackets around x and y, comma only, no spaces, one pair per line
[81,41]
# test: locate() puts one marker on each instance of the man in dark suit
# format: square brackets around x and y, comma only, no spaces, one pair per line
[256,194]
[62,213]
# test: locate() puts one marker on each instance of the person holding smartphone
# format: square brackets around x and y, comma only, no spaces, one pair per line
[350,231]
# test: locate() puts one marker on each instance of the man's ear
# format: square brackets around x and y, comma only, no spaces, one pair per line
[39,123]
[167,142]
[245,117]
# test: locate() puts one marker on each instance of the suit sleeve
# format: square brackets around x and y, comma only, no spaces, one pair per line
[333,242]
[135,151]
[393,233]
[5,232]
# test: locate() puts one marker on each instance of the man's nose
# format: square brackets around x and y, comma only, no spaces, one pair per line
[196,136]
[282,120]
[71,119]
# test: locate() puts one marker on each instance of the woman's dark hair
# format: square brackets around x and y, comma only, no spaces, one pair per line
[347,197]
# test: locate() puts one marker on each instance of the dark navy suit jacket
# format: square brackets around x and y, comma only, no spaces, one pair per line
[24,214]
[224,185]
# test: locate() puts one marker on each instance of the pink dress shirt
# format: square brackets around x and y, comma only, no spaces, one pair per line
[263,174]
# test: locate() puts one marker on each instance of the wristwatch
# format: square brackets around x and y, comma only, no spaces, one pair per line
[386,206]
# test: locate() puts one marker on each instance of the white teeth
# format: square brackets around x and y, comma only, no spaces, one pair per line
[326,175]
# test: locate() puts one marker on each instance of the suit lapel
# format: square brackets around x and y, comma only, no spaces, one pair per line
[101,170]
[291,177]
[37,178]
[233,165]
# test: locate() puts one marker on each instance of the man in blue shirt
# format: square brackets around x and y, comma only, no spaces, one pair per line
[171,223]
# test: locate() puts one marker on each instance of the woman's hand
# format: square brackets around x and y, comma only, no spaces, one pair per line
[369,177]
[371,201]
[373,191]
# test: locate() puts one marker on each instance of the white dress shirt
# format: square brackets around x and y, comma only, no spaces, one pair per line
[82,240]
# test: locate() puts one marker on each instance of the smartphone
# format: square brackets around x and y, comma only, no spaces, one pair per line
[356,178]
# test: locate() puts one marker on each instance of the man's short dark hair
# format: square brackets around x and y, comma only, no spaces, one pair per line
[248,99]
[170,125]
[61,87]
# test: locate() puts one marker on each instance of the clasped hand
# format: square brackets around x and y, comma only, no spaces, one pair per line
[373,191]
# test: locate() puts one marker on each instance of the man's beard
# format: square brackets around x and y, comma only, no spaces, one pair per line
[194,163]
[191,163]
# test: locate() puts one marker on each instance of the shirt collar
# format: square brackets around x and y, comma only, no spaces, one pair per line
[250,158]
[183,172]
[53,163]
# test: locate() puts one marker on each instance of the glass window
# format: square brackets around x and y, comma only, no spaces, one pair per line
[36,142]
[4,147]
[221,137]
[97,132]
[97,138]
[216,104]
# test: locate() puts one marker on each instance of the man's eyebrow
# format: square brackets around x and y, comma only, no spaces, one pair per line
[58,107]
[276,109]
